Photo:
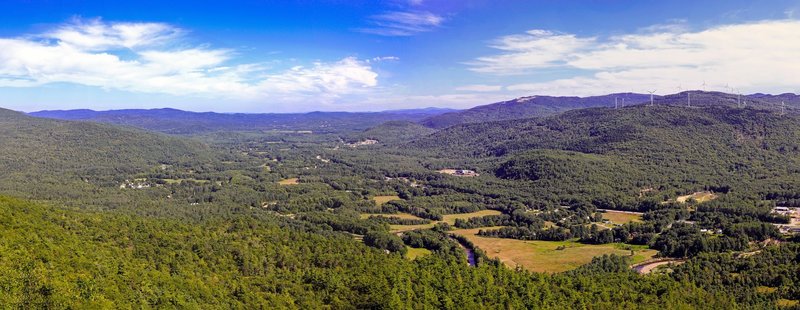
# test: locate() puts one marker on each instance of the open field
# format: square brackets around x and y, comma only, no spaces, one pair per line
[544,256]
[618,217]
[379,200]
[459,172]
[402,228]
[292,181]
[698,197]
[646,268]
[413,253]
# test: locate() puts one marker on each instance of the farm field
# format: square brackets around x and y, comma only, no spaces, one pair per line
[544,256]
[618,217]
[402,228]
[379,200]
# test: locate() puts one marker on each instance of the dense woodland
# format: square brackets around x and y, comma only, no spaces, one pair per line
[124,217]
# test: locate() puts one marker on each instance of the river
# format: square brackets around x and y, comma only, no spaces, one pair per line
[470,254]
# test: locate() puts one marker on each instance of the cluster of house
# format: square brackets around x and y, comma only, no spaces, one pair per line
[459,172]
[794,214]
[466,173]
[135,184]
[360,143]
[784,211]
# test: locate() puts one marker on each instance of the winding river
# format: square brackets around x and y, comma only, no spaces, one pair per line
[470,254]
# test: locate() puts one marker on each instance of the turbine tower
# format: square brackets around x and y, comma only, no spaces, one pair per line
[616,104]
[651,97]
[704,85]
[783,108]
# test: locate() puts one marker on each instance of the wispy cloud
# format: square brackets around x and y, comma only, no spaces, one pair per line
[757,56]
[532,50]
[403,23]
[140,57]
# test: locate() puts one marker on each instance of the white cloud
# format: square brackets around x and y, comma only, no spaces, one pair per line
[480,88]
[137,57]
[383,58]
[95,35]
[757,56]
[532,50]
[403,23]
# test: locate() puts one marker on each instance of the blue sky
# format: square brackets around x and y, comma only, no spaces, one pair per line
[296,56]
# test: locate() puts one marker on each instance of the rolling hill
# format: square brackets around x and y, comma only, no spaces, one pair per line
[635,148]
[35,151]
[526,107]
[174,121]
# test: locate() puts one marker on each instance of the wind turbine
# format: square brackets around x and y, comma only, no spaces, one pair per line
[739,98]
[651,97]
[704,85]
[616,104]
[783,108]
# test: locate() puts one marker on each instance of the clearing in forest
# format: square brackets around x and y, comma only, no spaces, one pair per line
[622,217]
[292,181]
[379,200]
[646,268]
[413,253]
[459,172]
[698,197]
[549,256]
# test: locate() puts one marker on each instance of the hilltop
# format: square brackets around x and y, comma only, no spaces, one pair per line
[525,107]
[634,148]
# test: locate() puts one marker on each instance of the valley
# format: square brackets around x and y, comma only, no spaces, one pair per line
[586,192]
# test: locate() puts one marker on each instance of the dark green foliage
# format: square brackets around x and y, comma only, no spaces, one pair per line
[183,122]
[526,107]
[393,132]
[69,259]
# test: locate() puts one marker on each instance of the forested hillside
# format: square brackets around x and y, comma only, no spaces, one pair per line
[309,220]
[174,121]
[527,107]
[39,154]
[54,258]
[639,147]
[394,131]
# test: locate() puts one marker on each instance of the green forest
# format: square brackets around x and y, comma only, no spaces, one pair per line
[97,215]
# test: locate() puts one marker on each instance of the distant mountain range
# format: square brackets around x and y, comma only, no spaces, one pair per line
[537,106]
[526,107]
[174,121]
